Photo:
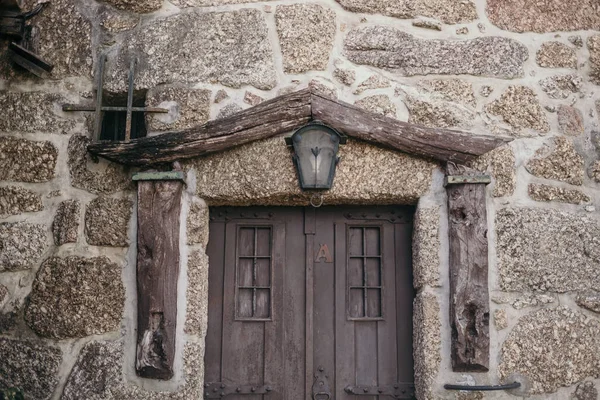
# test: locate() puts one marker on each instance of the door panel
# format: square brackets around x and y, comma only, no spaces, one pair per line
[303,300]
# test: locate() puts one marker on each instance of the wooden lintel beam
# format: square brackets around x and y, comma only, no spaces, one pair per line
[469,293]
[267,119]
[433,143]
[286,113]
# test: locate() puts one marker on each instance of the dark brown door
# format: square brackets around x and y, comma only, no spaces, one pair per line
[310,303]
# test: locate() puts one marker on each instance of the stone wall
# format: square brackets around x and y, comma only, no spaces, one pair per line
[502,67]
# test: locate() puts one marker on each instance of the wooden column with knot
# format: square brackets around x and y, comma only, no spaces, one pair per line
[159,206]
[469,295]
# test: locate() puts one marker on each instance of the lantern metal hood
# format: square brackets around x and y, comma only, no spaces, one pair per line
[315,154]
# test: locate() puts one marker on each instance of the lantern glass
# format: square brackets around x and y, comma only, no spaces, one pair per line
[316,148]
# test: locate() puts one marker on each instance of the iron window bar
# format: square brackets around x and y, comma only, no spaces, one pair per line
[483,388]
[98,107]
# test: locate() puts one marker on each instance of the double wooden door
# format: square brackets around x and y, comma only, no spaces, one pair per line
[309,303]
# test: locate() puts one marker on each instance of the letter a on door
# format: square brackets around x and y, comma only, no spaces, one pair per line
[324,253]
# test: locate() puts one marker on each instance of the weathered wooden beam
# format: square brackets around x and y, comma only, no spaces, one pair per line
[469,295]
[436,143]
[159,205]
[286,113]
[273,117]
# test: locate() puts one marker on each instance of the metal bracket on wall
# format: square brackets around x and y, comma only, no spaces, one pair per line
[98,108]
[462,179]
[159,176]
[22,51]
[397,390]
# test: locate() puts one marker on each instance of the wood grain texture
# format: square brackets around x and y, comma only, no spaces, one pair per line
[286,113]
[435,143]
[159,205]
[469,296]
[273,117]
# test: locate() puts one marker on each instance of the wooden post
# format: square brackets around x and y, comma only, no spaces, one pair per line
[159,205]
[469,296]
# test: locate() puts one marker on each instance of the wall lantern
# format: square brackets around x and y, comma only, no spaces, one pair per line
[315,154]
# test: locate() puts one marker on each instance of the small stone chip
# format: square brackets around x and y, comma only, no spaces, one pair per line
[433,25]
[544,16]
[136,6]
[426,239]
[109,179]
[541,192]
[563,163]
[552,348]
[195,323]
[561,86]
[27,160]
[31,367]
[379,104]
[15,200]
[556,55]
[519,107]
[547,250]
[576,41]
[229,110]
[32,112]
[447,11]
[500,162]
[585,391]
[500,319]
[106,221]
[306,33]
[593,44]
[570,120]
[589,301]
[74,297]
[21,245]
[191,108]
[3,294]
[252,99]
[374,82]
[197,223]
[66,222]
[220,96]
[346,76]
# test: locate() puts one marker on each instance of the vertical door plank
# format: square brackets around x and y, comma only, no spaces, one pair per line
[294,306]
[274,352]
[216,251]
[365,336]
[386,329]
[404,302]
[309,231]
[469,297]
[159,205]
[243,342]
[344,329]
[324,299]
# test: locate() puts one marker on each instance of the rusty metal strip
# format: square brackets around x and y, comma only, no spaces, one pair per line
[159,176]
[129,101]
[462,179]
[78,107]
[100,88]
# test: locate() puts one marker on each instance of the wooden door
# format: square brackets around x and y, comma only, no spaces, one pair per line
[310,303]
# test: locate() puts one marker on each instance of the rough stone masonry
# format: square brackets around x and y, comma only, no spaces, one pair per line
[529,70]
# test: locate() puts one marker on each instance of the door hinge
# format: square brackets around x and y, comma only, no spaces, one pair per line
[397,390]
[217,390]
